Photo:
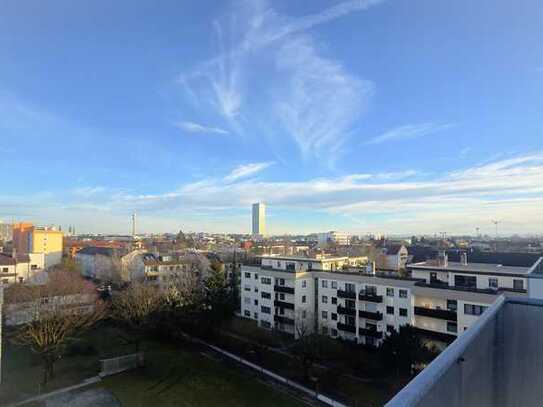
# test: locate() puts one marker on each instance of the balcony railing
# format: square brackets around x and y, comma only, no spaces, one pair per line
[436,313]
[346,310]
[375,316]
[346,327]
[283,320]
[370,297]
[370,332]
[346,294]
[283,289]
[283,304]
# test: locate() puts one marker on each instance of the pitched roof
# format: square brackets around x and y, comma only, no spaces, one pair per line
[93,251]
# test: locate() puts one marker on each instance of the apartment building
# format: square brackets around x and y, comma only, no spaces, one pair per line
[161,269]
[298,295]
[28,238]
[19,268]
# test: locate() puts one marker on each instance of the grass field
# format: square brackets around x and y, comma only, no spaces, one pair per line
[175,375]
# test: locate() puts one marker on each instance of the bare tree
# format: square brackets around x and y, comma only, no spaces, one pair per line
[307,346]
[134,307]
[52,314]
[183,290]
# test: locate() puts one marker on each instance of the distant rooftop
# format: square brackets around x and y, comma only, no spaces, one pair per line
[307,259]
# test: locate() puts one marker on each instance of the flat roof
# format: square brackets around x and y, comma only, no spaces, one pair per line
[309,259]
[476,268]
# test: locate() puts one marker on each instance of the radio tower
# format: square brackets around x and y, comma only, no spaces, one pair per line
[496,222]
[134,219]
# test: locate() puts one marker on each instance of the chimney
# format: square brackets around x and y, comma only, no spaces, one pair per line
[442,259]
[464,258]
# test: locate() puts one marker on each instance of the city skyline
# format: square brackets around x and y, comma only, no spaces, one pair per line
[375,116]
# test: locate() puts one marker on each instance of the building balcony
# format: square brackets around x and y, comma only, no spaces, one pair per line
[346,327]
[283,289]
[370,297]
[346,310]
[496,362]
[375,316]
[282,304]
[370,332]
[346,294]
[283,320]
[447,315]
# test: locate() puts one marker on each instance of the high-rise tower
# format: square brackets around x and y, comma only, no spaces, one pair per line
[259,219]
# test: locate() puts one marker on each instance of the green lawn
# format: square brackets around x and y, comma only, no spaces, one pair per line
[175,375]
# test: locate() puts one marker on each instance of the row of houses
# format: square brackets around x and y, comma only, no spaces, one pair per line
[441,299]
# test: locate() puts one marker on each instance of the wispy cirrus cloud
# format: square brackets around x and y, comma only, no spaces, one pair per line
[193,127]
[304,96]
[246,170]
[409,132]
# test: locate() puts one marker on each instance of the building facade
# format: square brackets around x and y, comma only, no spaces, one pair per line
[299,295]
[259,219]
[333,237]
[28,238]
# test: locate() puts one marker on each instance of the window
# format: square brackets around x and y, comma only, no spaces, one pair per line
[256,289]
[304,314]
[278,264]
[334,300]
[452,305]
[371,290]
[334,284]
[334,317]
[492,282]
[304,299]
[5,269]
[403,312]
[333,332]
[247,275]
[324,329]
[390,310]
[403,293]
[452,327]
[324,314]
[390,328]
[247,313]
[282,297]
[247,288]
[350,288]
[256,315]
[304,283]
[265,310]
[256,276]
[266,295]
[281,282]
[265,280]
[465,281]
[324,284]
[256,302]
[324,299]
[518,284]
[390,292]
[265,324]
[470,309]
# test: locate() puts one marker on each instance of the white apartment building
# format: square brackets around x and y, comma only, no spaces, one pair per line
[295,295]
[259,220]
[333,237]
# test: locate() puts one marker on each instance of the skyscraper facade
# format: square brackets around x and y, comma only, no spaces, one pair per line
[259,219]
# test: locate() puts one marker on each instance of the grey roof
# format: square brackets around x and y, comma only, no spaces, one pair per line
[475,268]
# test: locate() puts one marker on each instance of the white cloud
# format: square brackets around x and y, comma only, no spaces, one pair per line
[270,80]
[409,131]
[192,127]
[246,170]
[88,191]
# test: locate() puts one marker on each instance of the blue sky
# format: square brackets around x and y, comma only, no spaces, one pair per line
[392,116]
